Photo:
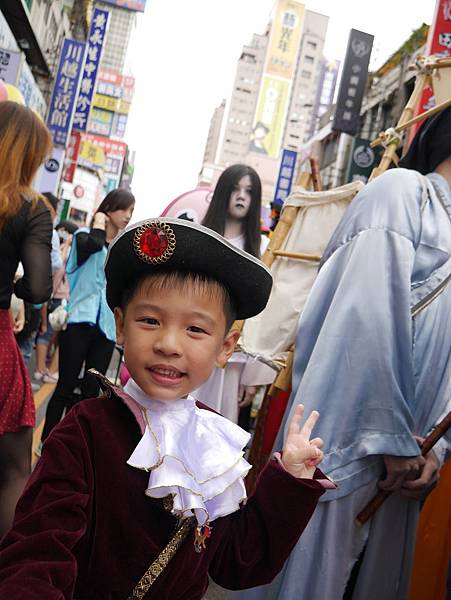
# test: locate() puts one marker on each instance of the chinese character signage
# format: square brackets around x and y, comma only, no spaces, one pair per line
[275,88]
[100,121]
[91,155]
[438,43]
[285,178]
[96,39]
[353,80]
[134,5]
[115,153]
[325,93]
[72,152]
[65,90]
[285,38]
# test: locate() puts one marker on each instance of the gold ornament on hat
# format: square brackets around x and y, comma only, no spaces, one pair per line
[154,242]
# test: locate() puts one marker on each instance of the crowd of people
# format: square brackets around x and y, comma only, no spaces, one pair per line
[139,490]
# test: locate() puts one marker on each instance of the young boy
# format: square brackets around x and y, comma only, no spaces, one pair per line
[145,482]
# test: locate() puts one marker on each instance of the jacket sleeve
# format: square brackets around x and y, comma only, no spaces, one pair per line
[259,537]
[36,284]
[89,243]
[37,555]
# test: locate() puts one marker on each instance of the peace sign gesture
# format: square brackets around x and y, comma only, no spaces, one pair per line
[301,455]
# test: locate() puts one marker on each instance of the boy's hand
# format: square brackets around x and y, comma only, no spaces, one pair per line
[300,454]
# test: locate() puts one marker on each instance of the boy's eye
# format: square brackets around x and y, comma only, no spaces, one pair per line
[149,321]
[196,329]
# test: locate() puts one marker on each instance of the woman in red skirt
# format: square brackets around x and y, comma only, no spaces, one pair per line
[25,236]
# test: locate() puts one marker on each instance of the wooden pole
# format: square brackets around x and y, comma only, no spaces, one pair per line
[297,255]
[422,80]
[425,115]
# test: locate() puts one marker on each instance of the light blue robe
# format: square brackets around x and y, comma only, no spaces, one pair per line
[376,375]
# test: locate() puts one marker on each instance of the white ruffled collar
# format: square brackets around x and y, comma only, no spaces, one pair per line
[194,455]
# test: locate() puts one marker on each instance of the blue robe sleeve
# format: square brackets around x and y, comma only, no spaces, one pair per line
[354,354]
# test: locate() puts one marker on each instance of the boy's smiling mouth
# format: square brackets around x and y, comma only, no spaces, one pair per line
[165,374]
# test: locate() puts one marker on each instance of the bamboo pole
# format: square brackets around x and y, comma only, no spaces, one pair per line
[425,115]
[316,175]
[423,79]
[297,255]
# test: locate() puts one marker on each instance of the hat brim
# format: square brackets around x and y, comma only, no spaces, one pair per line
[197,250]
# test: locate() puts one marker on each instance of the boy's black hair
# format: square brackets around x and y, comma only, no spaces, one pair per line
[175,276]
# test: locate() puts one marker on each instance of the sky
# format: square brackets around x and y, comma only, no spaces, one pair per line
[183,55]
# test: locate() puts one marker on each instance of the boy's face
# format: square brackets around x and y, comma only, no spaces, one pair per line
[173,339]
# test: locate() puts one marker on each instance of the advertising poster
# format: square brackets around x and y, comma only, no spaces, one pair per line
[280,65]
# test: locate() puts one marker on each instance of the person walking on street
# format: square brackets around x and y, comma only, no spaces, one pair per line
[90,337]
[25,236]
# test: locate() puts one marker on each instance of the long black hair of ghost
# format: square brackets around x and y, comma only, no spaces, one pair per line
[218,209]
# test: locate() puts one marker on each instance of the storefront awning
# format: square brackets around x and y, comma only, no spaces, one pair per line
[16,15]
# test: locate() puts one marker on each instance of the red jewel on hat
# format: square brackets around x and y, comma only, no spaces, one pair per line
[154,242]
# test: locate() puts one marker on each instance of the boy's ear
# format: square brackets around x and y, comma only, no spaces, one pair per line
[119,318]
[228,346]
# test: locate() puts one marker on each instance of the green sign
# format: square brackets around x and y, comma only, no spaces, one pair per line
[363,160]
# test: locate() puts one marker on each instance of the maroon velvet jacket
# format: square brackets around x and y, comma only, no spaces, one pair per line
[85,529]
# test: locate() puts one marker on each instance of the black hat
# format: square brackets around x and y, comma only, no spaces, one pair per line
[161,245]
[431,144]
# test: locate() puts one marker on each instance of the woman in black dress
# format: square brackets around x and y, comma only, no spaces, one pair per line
[25,236]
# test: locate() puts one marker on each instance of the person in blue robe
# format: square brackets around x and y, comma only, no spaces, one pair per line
[373,356]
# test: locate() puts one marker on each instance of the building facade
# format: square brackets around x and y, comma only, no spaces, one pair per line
[274,99]
[214,134]
[97,159]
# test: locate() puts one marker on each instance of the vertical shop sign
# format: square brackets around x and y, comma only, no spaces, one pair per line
[363,160]
[65,90]
[438,43]
[285,178]
[275,88]
[72,152]
[97,33]
[353,80]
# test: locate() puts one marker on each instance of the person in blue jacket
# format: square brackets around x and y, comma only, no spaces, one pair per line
[89,337]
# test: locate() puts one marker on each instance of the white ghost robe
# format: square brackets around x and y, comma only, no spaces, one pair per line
[225,386]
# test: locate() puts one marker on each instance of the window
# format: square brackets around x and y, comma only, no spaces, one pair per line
[306,74]
[311,45]
[308,59]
